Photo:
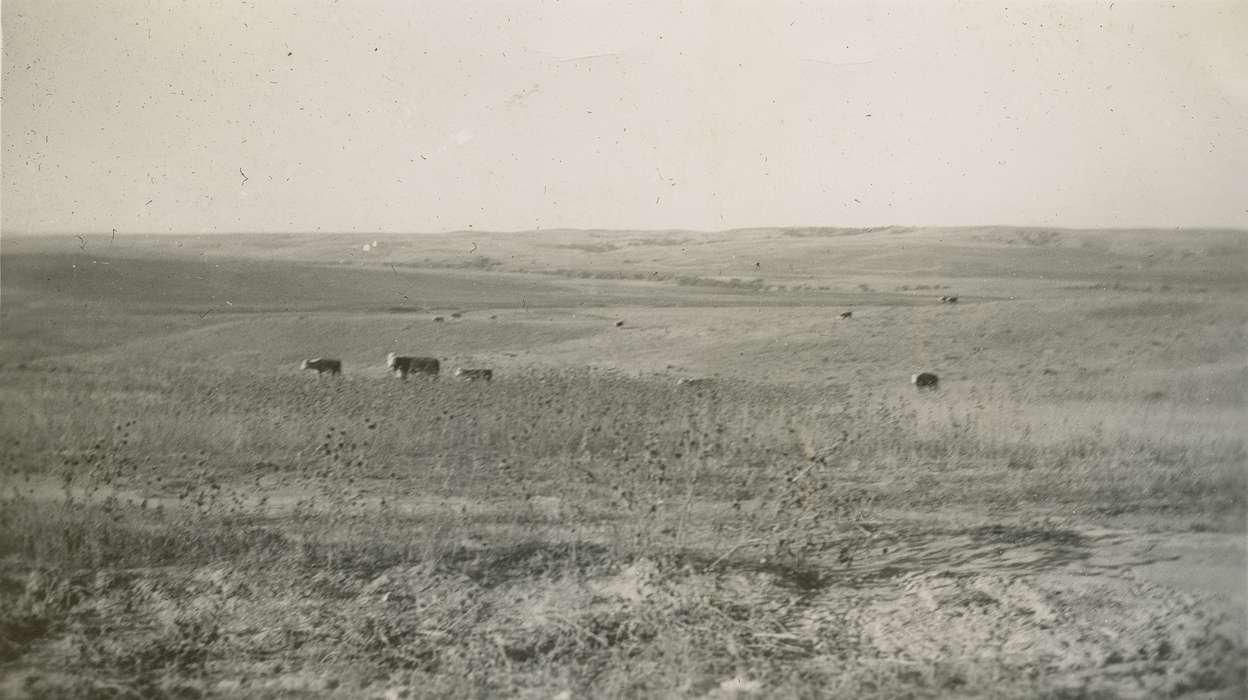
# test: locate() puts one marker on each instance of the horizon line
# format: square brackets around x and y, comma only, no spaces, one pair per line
[694,231]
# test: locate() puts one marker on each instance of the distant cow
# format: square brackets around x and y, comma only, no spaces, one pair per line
[693,381]
[402,366]
[619,324]
[925,380]
[438,319]
[474,375]
[949,300]
[847,314]
[323,365]
[457,314]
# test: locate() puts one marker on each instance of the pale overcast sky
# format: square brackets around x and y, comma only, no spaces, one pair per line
[395,116]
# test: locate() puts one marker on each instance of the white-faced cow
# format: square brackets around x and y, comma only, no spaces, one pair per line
[925,380]
[949,300]
[402,366]
[474,375]
[322,365]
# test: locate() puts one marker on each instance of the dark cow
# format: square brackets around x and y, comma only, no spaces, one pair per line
[457,314]
[619,324]
[438,319]
[322,365]
[925,380]
[847,314]
[474,375]
[402,366]
[949,300]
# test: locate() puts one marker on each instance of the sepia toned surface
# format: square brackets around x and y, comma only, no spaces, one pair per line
[623,349]
[682,480]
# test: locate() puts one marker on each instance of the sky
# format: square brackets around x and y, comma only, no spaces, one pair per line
[169,116]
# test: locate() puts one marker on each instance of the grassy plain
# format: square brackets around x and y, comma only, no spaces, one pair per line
[185,512]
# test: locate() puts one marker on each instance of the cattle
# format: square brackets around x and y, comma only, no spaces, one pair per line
[847,314]
[949,300]
[474,375]
[619,324]
[924,380]
[402,366]
[693,381]
[322,365]
[457,314]
[438,319]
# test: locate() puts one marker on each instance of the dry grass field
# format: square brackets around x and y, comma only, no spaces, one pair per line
[184,512]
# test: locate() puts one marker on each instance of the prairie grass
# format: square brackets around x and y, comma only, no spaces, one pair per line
[175,523]
[185,532]
[577,430]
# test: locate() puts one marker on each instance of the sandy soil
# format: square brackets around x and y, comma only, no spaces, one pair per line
[1130,613]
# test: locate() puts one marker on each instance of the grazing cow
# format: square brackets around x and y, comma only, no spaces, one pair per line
[924,380]
[619,324]
[457,314]
[438,319]
[474,375]
[949,300]
[322,365]
[402,366]
[847,314]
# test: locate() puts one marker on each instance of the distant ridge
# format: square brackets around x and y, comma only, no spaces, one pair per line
[794,230]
